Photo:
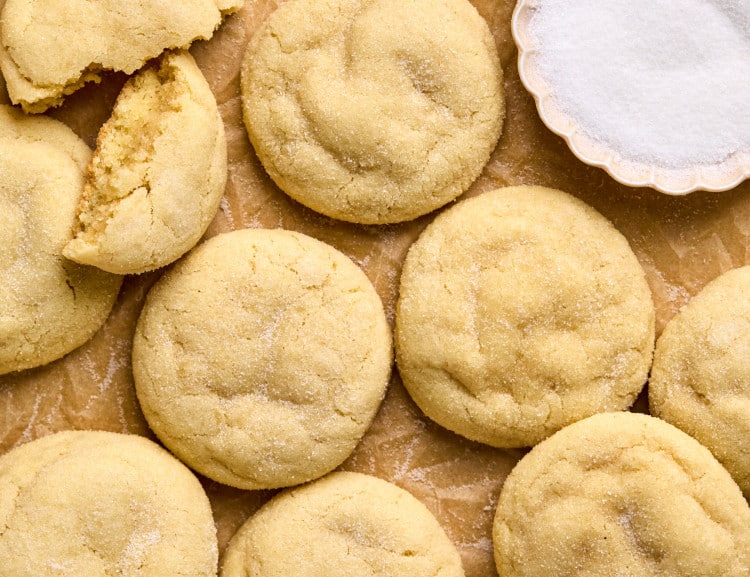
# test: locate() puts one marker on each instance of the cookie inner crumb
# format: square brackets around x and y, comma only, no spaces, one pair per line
[122,166]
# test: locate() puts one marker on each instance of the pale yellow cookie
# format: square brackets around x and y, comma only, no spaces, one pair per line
[158,173]
[93,503]
[50,48]
[373,111]
[342,525]
[521,311]
[48,305]
[261,358]
[700,381]
[23,128]
[621,494]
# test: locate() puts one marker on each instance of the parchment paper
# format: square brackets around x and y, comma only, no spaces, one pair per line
[682,242]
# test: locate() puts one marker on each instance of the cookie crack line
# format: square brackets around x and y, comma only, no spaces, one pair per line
[458,382]
[71,286]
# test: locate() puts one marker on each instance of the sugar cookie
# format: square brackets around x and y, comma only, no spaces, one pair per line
[521,311]
[344,524]
[700,381]
[621,494]
[158,174]
[23,128]
[373,111]
[261,358]
[96,503]
[50,48]
[48,305]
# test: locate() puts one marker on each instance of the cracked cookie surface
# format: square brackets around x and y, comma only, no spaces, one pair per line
[158,173]
[50,48]
[373,111]
[262,357]
[49,306]
[621,494]
[343,524]
[98,503]
[700,381]
[520,311]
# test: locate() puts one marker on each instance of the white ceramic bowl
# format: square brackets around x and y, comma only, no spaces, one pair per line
[591,149]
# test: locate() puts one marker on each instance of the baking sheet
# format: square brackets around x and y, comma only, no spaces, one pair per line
[682,242]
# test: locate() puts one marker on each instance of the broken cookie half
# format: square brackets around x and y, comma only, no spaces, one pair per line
[158,173]
[51,48]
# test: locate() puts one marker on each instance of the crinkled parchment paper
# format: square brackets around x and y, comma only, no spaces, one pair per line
[682,242]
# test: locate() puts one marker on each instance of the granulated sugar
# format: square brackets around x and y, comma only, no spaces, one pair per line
[664,83]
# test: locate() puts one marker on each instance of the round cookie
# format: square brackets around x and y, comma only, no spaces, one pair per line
[158,173]
[49,306]
[700,380]
[373,111]
[343,524]
[262,357]
[621,494]
[50,48]
[97,503]
[521,311]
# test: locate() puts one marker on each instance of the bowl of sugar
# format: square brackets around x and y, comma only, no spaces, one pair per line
[655,93]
